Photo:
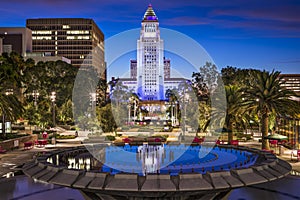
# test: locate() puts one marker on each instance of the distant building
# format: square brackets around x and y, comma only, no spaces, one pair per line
[17,39]
[133,69]
[77,39]
[292,82]
[167,68]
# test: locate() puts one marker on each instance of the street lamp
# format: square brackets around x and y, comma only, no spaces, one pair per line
[53,98]
[35,95]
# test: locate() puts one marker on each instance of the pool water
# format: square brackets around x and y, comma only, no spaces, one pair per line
[163,159]
[175,159]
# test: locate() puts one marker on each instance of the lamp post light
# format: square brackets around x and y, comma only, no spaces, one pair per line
[53,98]
[35,95]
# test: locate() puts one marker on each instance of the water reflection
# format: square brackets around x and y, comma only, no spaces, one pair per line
[151,158]
[160,159]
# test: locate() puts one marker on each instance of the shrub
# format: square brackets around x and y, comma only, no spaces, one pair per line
[65,137]
[110,137]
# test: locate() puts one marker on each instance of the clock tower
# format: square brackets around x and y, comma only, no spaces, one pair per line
[150,59]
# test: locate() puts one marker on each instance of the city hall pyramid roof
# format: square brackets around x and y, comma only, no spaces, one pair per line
[150,15]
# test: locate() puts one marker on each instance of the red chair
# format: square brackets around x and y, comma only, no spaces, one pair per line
[234,142]
[220,142]
[2,150]
[126,140]
[273,143]
[295,154]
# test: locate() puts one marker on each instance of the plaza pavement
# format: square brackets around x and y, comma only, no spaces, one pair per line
[282,189]
[10,160]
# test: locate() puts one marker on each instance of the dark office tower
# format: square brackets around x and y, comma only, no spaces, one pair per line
[77,39]
[167,66]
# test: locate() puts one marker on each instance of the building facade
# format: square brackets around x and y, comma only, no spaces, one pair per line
[17,39]
[292,82]
[287,125]
[77,39]
[150,74]
[150,54]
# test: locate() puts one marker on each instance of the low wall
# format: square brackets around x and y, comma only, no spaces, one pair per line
[17,142]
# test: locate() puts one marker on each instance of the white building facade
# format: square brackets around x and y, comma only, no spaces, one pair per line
[150,75]
[150,63]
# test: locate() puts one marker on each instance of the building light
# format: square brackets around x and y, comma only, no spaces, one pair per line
[70,37]
[77,32]
[65,26]
[41,37]
[41,32]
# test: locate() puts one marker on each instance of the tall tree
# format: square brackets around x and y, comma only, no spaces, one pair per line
[266,94]
[235,108]
[10,83]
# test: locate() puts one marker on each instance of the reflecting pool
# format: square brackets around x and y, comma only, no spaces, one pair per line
[157,159]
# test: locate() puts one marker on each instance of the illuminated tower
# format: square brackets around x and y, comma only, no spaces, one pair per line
[150,59]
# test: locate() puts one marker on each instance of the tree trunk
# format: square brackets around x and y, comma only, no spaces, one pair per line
[3,125]
[264,131]
[230,132]
[229,127]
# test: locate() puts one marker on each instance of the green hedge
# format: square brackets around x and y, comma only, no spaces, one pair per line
[110,137]
[13,136]
[65,137]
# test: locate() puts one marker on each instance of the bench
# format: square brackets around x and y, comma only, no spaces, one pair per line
[234,142]
[42,143]
[28,145]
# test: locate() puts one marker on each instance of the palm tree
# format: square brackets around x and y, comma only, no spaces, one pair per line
[234,108]
[267,94]
[173,110]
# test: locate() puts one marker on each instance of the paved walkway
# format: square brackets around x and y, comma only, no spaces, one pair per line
[286,188]
[285,155]
[12,159]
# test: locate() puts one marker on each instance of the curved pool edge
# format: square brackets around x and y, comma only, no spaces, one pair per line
[267,168]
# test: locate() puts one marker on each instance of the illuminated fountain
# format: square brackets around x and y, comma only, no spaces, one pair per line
[157,171]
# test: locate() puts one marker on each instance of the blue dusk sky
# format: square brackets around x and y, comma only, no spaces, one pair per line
[260,34]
